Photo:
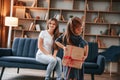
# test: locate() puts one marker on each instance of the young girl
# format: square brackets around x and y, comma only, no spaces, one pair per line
[72,36]
[46,45]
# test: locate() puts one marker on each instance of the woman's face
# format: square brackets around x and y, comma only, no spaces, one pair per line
[78,30]
[52,25]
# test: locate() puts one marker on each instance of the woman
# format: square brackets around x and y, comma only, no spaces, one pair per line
[46,45]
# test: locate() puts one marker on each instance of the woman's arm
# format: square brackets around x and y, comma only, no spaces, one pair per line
[55,53]
[40,46]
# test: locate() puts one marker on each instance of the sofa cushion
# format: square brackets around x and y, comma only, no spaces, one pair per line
[90,65]
[16,59]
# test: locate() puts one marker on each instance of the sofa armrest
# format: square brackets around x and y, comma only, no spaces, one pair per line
[101,63]
[100,60]
[5,52]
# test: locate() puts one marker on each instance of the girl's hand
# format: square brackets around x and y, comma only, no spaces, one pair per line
[64,48]
[83,59]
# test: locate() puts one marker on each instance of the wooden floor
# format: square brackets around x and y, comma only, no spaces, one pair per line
[30,74]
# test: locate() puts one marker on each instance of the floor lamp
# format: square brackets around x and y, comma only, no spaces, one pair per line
[10,22]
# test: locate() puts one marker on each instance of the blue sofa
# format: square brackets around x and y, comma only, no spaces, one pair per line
[95,63]
[112,54]
[21,55]
[23,51]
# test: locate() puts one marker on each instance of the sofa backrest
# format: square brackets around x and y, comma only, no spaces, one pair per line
[112,53]
[24,47]
[93,52]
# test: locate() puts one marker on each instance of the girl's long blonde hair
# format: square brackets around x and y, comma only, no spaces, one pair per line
[72,24]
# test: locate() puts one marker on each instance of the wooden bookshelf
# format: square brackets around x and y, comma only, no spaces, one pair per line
[108,31]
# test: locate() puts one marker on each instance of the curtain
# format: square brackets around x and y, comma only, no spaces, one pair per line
[1,19]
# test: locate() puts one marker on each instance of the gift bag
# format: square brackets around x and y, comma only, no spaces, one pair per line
[73,57]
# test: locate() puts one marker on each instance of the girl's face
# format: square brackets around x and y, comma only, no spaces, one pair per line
[78,30]
[52,25]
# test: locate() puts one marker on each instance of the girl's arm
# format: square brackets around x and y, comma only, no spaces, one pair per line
[59,41]
[60,45]
[40,46]
[86,48]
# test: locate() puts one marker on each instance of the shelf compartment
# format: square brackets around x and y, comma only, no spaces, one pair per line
[61,4]
[62,27]
[102,5]
[43,3]
[111,18]
[19,12]
[79,5]
[23,2]
[54,13]
[25,24]
[31,34]
[90,38]
[108,41]
[91,17]
[115,30]
[95,29]
[17,33]
[67,14]
[42,24]
[38,14]
[116,5]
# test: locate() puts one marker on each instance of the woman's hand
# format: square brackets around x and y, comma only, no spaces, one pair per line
[54,56]
[55,53]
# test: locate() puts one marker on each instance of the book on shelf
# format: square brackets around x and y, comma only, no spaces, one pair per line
[101,44]
[32,26]
[46,16]
[27,14]
[83,20]
[37,27]
[34,4]
[25,36]
[87,6]
[62,17]
[58,17]
[113,32]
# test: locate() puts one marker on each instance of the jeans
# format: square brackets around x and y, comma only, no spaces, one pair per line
[52,63]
